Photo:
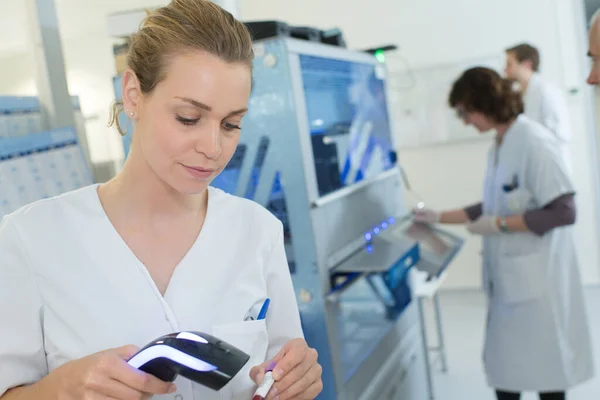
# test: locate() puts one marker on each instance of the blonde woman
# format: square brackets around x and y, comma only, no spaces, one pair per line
[90,276]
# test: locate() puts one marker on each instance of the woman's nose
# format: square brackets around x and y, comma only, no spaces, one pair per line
[209,140]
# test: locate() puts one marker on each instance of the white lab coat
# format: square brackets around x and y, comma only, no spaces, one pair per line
[537,336]
[546,104]
[70,286]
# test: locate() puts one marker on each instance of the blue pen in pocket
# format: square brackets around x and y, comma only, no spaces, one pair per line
[263,311]
[256,314]
[511,186]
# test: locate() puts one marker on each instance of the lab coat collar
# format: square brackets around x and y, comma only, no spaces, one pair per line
[533,81]
[511,128]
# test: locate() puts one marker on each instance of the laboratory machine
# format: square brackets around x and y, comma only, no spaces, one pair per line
[317,150]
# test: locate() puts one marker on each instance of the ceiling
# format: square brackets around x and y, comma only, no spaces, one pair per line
[86,17]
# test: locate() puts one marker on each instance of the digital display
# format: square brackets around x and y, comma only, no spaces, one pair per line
[348,118]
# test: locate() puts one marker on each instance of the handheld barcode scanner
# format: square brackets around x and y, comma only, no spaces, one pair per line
[199,357]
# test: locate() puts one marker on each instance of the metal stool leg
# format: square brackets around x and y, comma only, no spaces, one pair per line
[425,349]
[440,333]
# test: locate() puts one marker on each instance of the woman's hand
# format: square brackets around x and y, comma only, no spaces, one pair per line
[485,226]
[104,375]
[297,373]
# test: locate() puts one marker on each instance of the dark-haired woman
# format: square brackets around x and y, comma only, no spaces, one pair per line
[537,336]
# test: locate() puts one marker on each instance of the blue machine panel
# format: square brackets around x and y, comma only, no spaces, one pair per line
[349,124]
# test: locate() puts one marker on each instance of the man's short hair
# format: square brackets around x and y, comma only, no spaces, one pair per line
[526,52]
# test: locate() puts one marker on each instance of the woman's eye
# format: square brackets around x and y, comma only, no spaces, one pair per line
[230,127]
[187,121]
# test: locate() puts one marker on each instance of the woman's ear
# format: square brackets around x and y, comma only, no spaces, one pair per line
[132,93]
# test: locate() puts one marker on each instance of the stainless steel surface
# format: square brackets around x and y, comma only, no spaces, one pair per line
[378,256]
[372,376]
[344,220]
[320,202]
[345,252]
[437,248]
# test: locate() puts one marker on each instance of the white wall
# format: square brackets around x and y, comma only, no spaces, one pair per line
[16,74]
[431,32]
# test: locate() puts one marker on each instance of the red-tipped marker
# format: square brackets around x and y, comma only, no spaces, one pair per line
[267,383]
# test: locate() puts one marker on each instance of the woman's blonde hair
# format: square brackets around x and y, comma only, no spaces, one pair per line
[181,26]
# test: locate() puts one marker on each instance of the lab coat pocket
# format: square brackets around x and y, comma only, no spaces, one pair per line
[517,201]
[520,244]
[519,278]
[252,338]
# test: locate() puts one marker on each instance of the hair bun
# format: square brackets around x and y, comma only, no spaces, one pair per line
[483,90]
[176,28]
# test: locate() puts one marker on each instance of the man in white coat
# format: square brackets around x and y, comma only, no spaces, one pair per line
[544,101]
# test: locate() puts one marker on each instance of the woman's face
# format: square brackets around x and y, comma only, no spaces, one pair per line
[475,118]
[188,127]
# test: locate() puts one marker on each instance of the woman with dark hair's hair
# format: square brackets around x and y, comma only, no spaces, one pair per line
[482,91]
[537,336]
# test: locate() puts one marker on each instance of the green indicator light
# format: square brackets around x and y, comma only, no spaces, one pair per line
[380,55]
